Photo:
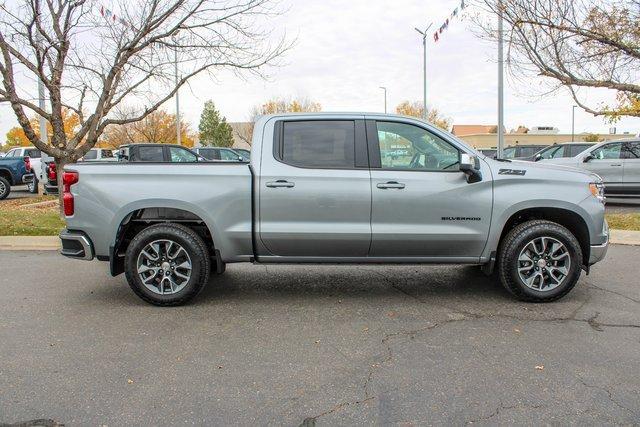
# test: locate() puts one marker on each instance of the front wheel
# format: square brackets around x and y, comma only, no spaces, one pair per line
[539,261]
[5,188]
[167,264]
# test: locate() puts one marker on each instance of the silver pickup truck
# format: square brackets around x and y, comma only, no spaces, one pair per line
[337,188]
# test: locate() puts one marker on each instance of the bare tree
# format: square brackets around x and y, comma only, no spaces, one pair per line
[91,59]
[273,106]
[575,44]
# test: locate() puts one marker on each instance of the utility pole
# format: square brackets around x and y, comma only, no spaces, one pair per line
[385,98]
[175,58]
[424,69]
[41,100]
[500,84]
[573,122]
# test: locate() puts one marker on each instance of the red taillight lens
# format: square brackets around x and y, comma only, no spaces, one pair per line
[27,164]
[68,203]
[51,172]
[68,179]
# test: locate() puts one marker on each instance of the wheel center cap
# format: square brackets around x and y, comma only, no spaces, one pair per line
[542,263]
[166,266]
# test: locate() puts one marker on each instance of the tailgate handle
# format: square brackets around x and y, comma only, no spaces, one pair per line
[391,184]
[280,183]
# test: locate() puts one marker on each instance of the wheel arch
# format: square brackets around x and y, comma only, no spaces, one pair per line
[567,218]
[137,218]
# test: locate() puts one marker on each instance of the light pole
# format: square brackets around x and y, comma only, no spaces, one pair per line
[573,122]
[175,60]
[424,69]
[500,85]
[385,98]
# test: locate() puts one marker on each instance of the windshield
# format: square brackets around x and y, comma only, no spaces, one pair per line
[509,153]
[552,152]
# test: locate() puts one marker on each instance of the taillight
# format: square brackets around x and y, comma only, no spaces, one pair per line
[51,172]
[27,164]
[68,179]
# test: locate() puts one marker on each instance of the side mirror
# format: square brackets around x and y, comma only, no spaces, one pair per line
[537,157]
[588,158]
[470,166]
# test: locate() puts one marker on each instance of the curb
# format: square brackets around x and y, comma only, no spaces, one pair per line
[52,243]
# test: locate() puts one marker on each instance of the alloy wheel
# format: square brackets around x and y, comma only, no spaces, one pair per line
[164,267]
[544,264]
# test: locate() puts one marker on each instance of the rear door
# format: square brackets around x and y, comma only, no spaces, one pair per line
[631,177]
[423,205]
[607,162]
[314,189]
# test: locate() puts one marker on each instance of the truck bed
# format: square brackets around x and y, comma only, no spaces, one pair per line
[108,193]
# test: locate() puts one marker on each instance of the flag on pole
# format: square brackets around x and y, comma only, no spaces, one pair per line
[445,24]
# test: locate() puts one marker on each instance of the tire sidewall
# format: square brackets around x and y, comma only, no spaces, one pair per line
[33,186]
[548,230]
[7,190]
[192,248]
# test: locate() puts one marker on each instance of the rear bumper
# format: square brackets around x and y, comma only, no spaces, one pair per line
[50,189]
[28,178]
[598,252]
[76,244]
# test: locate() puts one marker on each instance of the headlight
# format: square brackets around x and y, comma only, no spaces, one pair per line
[597,190]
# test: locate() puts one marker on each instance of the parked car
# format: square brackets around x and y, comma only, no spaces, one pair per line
[14,171]
[520,152]
[243,152]
[616,162]
[221,154]
[34,155]
[159,153]
[489,152]
[317,190]
[556,151]
[99,154]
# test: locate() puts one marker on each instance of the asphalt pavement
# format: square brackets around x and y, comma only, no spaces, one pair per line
[325,345]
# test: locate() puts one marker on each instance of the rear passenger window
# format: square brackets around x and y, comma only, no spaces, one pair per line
[577,149]
[319,144]
[149,154]
[33,153]
[632,150]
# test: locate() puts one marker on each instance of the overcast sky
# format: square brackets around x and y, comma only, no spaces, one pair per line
[345,50]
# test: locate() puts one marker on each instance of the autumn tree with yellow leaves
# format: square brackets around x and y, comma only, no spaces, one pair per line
[415,109]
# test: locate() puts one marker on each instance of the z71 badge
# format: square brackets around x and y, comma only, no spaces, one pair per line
[512,172]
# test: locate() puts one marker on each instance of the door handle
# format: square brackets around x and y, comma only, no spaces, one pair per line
[391,184]
[616,164]
[280,183]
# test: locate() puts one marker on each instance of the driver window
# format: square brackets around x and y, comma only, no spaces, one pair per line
[609,151]
[405,146]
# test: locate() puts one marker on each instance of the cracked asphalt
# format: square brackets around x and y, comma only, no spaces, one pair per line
[318,345]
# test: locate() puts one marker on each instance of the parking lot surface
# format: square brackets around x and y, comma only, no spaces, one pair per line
[317,345]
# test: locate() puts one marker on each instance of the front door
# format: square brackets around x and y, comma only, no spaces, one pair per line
[631,178]
[608,163]
[315,194]
[423,205]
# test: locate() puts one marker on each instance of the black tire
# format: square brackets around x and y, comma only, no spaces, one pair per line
[33,186]
[5,188]
[515,241]
[192,244]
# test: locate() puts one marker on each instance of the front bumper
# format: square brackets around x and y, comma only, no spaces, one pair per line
[76,244]
[598,252]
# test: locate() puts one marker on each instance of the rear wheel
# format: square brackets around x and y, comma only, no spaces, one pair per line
[167,264]
[539,261]
[32,187]
[5,188]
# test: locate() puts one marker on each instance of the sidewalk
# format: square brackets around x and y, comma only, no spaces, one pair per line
[46,243]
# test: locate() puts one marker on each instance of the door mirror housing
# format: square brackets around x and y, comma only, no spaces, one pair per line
[470,166]
[537,157]
[588,158]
